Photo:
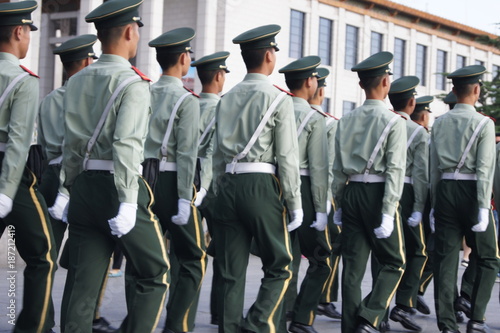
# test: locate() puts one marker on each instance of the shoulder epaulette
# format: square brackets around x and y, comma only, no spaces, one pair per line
[141,74]
[331,116]
[320,112]
[289,93]
[192,92]
[426,129]
[397,114]
[494,120]
[28,71]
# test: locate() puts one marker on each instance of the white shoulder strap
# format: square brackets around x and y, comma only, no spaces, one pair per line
[104,115]
[205,132]
[304,122]
[259,129]
[11,86]
[329,120]
[166,138]
[469,144]
[413,135]
[380,141]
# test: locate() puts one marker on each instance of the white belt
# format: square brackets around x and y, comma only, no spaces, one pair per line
[246,167]
[367,178]
[57,160]
[459,176]
[103,165]
[168,166]
[2,146]
[408,180]
[305,172]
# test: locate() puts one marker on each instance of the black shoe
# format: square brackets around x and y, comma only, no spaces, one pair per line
[329,310]
[384,326]
[459,316]
[101,325]
[215,320]
[301,328]
[243,330]
[475,327]
[422,307]
[447,330]
[365,328]
[461,304]
[399,315]
[289,315]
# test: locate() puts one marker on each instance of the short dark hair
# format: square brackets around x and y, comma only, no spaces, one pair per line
[71,66]
[6,33]
[253,58]
[110,35]
[416,115]
[167,60]
[399,104]
[370,83]
[295,84]
[206,77]
[463,90]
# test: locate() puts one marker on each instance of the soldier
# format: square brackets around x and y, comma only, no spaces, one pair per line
[106,108]
[173,139]
[249,143]
[369,167]
[301,79]
[212,72]
[462,167]
[330,293]
[402,97]
[22,208]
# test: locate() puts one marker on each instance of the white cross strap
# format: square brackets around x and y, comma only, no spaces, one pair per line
[166,138]
[469,145]
[205,132]
[304,122]
[11,86]
[412,136]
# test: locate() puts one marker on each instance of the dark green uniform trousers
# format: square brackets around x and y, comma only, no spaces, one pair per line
[315,246]
[416,254]
[361,214]
[94,200]
[428,271]
[28,224]
[292,290]
[188,246]
[455,212]
[249,206]
[331,292]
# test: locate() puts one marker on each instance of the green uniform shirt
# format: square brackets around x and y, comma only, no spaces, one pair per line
[17,122]
[417,161]
[356,137]
[496,179]
[51,123]
[122,136]
[183,143]
[313,151]
[208,103]
[239,113]
[450,135]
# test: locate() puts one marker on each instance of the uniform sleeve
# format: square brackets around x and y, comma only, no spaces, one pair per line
[317,148]
[420,172]
[186,136]
[128,139]
[496,179]
[23,112]
[217,157]
[485,165]
[206,164]
[339,177]
[395,156]
[434,173]
[331,156]
[41,135]
[287,153]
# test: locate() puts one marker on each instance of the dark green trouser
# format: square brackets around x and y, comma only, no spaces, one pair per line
[188,246]
[428,273]
[361,214]
[416,255]
[291,292]
[331,292]
[249,206]
[28,223]
[94,200]
[456,211]
[315,246]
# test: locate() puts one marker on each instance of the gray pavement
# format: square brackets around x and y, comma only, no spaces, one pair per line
[113,307]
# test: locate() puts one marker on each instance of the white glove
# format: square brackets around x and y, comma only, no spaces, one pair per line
[414,219]
[125,220]
[183,212]
[5,205]
[296,218]
[482,220]
[328,207]
[320,223]
[200,196]
[432,221]
[386,227]
[65,214]
[337,217]
[56,211]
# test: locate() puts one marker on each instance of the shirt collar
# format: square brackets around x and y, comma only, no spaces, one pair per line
[256,76]
[114,58]
[9,57]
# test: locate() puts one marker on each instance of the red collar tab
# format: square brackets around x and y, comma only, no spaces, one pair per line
[141,74]
[28,71]
[192,92]
[289,93]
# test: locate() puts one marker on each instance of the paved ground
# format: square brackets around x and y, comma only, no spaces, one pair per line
[113,307]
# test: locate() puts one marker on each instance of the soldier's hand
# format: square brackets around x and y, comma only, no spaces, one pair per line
[125,220]
[5,205]
[482,220]
[200,196]
[56,211]
[337,217]
[183,212]
[386,227]
[432,221]
[296,217]
[320,223]
[414,219]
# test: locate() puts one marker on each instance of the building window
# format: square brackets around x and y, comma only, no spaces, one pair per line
[325,41]
[399,58]
[347,107]
[297,22]
[421,62]
[495,71]
[479,62]
[55,6]
[351,47]
[461,61]
[376,42]
[326,105]
[441,70]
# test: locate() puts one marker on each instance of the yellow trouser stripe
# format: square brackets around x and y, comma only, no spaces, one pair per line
[401,252]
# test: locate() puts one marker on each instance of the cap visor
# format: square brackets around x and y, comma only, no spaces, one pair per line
[33,27]
[140,24]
